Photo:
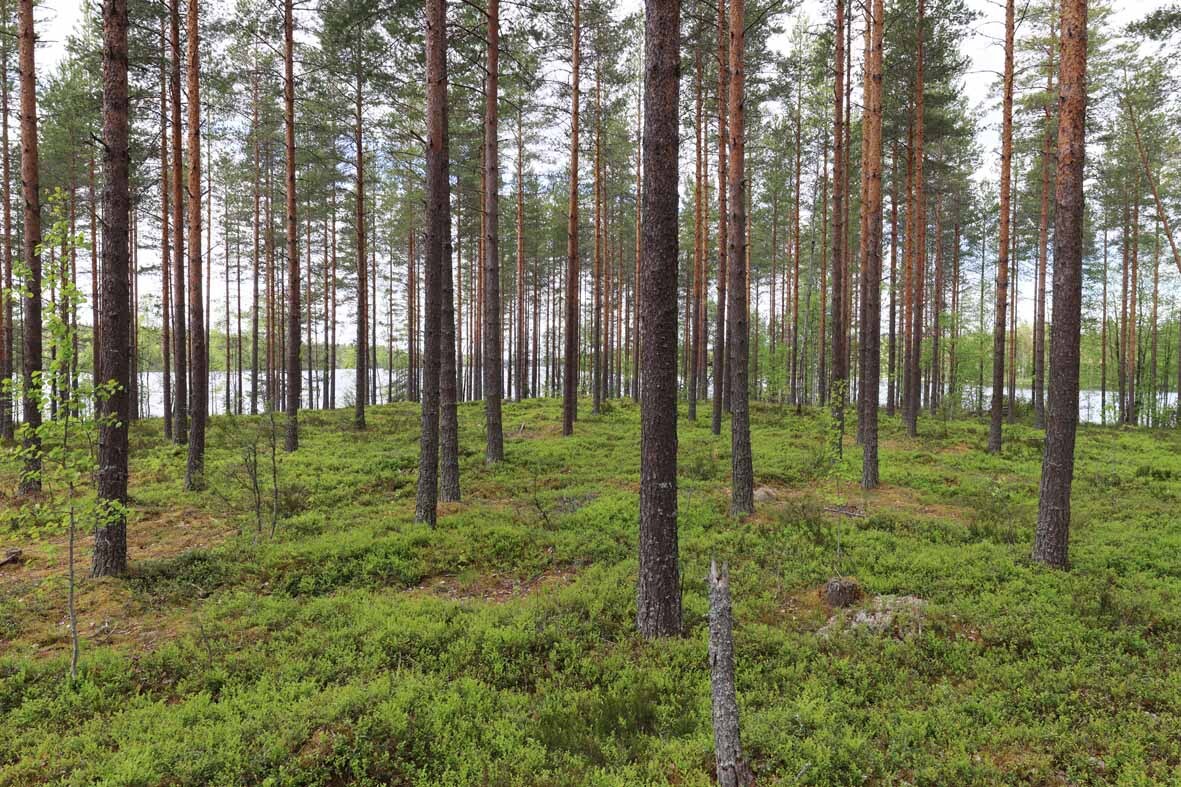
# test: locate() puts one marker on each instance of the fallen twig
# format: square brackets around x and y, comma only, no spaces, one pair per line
[845,511]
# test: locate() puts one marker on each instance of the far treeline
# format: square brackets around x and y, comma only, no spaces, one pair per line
[703,203]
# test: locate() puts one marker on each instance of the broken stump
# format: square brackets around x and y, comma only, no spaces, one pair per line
[841,591]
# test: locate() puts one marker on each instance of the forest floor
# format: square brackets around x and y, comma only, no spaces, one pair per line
[354,646]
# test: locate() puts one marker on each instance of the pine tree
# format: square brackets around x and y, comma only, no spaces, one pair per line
[1053,522]
[199,373]
[31,252]
[742,470]
[1003,247]
[658,607]
[291,439]
[110,535]
[493,384]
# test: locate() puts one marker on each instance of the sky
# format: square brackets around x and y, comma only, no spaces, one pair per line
[55,20]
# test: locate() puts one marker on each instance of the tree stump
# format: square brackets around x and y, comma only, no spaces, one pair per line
[841,591]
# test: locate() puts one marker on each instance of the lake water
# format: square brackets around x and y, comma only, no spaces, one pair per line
[152,395]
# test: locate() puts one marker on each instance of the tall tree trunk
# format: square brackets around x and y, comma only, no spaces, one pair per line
[772,327]
[698,225]
[892,348]
[721,332]
[180,344]
[1002,269]
[953,387]
[309,326]
[822,336]
[272,383]
[238,398]
[165,236]
[411,318]
[863,230]
[796,395]
[1122,343]
[7,359]
[373,364]
[438,197]
[332,318]
[31,253]
[199,399]
[919,249]
[1053,521]
[535,384]
[255,132]
[658,605]
[597,257]
[937,317]
[846,175]
[871,309]
[742,470]
[448,376]
[494,447]
[465,316]
[1103,337]
[291,441]
[1132,354]
[570,360]
[636,302]
[95,273]
[840,369]
[523,387]
[110,535]
[1014,280]
[908,275]
[1152,386]
[1039,313]
[360,395]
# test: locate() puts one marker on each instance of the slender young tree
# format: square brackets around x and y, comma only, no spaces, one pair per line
[31,252]
[1002,268]
[570,368]
[437,198]
[291,441]
[494,446]
[110,534]
[1053,520]
[742,469]
[658,607]
[199,400]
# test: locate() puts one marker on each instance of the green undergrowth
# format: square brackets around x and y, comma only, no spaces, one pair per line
[326,654]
